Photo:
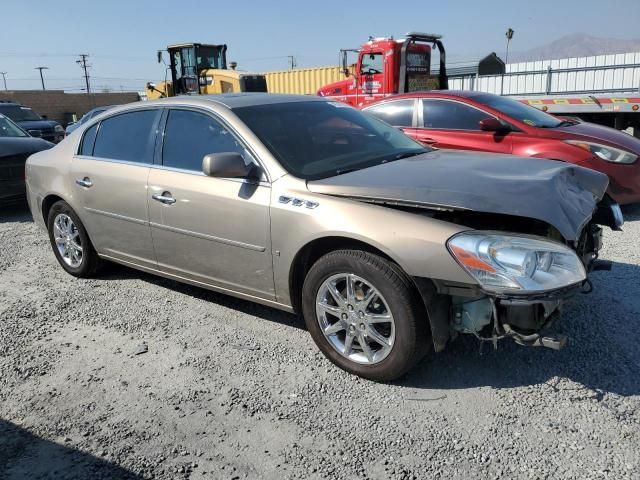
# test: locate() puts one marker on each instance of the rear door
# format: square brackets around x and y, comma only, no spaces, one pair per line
[211,230]
[456,125]
[397,113]
[110,174]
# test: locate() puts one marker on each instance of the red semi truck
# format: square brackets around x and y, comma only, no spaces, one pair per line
[387,66]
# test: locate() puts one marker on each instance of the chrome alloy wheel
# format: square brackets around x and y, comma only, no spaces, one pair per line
[67,239]
[355,318]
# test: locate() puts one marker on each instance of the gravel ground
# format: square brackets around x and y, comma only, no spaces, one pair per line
[229,389]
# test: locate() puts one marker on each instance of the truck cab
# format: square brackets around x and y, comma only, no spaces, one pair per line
[387,66]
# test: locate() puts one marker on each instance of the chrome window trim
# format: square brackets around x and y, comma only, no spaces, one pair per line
[261,183]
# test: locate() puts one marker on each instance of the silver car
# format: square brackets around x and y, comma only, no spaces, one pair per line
[388,249]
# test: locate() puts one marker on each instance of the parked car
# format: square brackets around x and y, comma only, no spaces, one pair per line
[86,117]
[481,121]
[15,146]
[387,248]
[33,123]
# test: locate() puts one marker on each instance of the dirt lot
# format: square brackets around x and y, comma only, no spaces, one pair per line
[228,389]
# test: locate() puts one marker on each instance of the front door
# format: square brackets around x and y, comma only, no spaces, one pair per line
[211,230]
[456,125]
[110,182]
[370,78]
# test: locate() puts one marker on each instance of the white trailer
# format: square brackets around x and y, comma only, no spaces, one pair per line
[603,89]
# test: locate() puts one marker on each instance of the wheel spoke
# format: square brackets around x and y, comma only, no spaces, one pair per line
[377,337]
[351,296]
[378,318]
[333,291]
[366,349]
[334,328]
[76,246]
[348,342]
[364,303]
[335,311]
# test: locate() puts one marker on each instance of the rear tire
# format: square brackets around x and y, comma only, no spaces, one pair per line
[70,242]
[379,331]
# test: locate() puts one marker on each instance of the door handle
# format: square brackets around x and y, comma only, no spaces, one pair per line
[164,197]
[84,182]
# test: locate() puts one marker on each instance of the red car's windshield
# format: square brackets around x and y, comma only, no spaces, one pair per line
[519,111]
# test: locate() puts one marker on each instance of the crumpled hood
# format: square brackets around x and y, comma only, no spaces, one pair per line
[561,194]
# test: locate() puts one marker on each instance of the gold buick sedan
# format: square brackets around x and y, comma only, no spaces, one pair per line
[387,248]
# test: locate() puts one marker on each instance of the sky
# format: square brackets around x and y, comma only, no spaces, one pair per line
[123,36]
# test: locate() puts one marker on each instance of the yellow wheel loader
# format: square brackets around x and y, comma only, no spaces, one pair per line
[200,69]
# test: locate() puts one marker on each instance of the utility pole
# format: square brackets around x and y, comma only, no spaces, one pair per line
[41,77]
[4,79]
[83,63]
[509,36]
[292,61]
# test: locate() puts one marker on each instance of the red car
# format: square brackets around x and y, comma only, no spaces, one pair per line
[491,123]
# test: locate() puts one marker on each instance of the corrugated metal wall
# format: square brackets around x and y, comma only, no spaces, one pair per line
[534,77]
[303,81]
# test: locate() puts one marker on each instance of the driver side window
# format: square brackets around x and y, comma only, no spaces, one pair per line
[371,63]
[190,135]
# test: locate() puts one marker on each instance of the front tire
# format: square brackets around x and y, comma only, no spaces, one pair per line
[70,242]
[365,315]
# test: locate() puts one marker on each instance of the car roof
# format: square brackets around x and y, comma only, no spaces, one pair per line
[238,100]
[436,94]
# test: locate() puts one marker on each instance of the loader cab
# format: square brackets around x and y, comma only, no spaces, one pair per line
[189,64]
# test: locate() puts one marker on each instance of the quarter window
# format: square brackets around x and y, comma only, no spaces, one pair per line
[88,140]
[126,137]
[451,115]
[398,113]
[189,136]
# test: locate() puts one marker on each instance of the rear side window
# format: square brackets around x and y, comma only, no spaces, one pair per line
[127,137]
[451,115]
[88,140]
[189,136]
[397,114]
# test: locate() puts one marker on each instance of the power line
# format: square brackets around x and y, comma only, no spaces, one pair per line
[4,79]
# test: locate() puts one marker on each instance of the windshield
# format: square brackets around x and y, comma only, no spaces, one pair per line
[18,113]
[10,129]
[315,140]
[524,113]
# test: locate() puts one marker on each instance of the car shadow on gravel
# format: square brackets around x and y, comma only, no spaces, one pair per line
[119,272]
[26,456]
[15,213]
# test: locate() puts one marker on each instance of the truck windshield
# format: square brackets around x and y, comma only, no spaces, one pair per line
[10,129]
[524,113]
[314,140]
[18,113]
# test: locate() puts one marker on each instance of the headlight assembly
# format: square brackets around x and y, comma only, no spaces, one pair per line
[516,263]
[58,129]
[605,152]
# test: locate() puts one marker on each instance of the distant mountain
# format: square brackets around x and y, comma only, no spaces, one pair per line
[576,45]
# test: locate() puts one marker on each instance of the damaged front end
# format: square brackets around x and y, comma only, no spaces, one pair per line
[523,281]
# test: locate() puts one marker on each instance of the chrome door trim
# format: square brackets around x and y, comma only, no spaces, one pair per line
[204,236]
[116,216]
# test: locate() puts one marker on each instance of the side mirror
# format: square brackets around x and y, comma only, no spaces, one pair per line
[225,165]
[492,124]
[346,72]
[159,57]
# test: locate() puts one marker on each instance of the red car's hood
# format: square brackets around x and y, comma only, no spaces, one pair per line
[599,133]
